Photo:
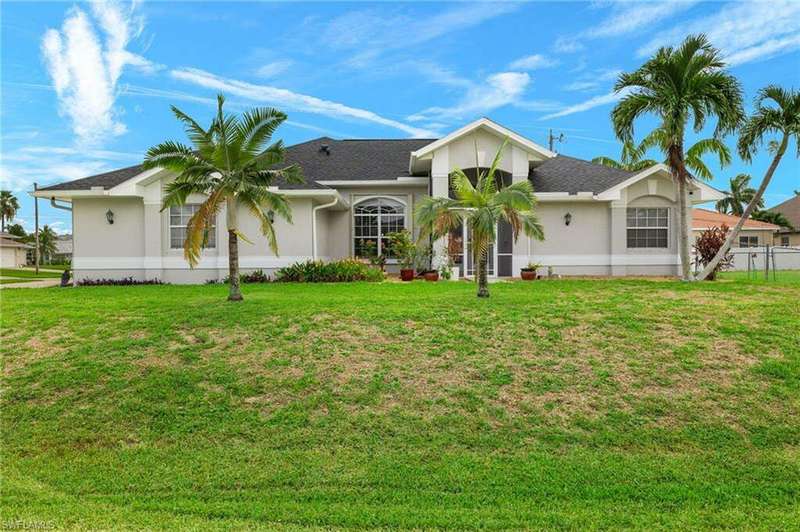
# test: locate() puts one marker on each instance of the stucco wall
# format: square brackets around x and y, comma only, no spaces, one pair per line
[100,244]
[12,257]
[794,239]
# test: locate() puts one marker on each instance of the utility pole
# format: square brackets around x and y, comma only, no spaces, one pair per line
[551,138]
[36,225]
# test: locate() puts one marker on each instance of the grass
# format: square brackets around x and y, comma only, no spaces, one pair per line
[16,280]
[559,404]
[28,273]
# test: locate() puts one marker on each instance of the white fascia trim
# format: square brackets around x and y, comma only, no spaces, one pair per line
[613,193]
[744,228]
[489,124]
[666,259]
[707,193]
[130,186]
[565,196]
[397,182]
[66,195]
[179,263]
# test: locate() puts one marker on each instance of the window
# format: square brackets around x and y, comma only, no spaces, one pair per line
[373,221]
[785,240]
[748,241]
[178,218]
[648,227]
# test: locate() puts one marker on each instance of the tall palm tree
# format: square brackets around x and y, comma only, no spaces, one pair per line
[777,112]
[8,207]
[740,195]
[47,243]
[232,164]
[633,159]
[480,206]
[678,85]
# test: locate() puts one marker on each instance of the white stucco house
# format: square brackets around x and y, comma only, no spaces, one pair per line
[597,220]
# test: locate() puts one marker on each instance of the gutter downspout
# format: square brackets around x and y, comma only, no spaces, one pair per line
[57,206]
[314,225]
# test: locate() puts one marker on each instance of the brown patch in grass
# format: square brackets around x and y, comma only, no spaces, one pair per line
[46,343]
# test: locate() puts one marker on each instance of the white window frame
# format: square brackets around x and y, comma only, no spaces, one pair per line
[212,231]
[362,199]
[749,238]
[666,228]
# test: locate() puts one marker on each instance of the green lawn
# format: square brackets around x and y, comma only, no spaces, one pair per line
[28,273]
[17,280]
[554,404]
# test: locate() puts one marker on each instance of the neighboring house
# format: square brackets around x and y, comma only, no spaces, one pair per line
[754,233]
[791,210]
[12,251]
[597,220]
[63,250]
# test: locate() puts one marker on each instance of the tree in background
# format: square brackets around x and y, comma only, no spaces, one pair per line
[231,164]
[740,194]
[17,230]
[777,111]
[47,243]
[772,217]
[8,208]
[678,85]
[480,207]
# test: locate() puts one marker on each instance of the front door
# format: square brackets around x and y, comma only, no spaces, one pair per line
[499,263]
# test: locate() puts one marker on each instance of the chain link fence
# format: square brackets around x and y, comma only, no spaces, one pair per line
[763,262]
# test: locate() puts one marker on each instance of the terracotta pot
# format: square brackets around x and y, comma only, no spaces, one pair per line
[431,276]
[407,274]
[528,275]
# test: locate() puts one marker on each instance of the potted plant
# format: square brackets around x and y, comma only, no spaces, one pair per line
[529,272]
[405,251]
[431,275]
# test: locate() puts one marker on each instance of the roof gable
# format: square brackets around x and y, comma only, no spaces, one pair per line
[790,209]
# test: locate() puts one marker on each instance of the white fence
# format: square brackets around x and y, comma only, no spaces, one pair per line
[781,258]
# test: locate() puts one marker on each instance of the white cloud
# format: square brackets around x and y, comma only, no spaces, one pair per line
[625,18]
[532,62]
[497,91]
[85,66]
[273,68]
[291,100]
[743,31]
[593,80]
[591,103]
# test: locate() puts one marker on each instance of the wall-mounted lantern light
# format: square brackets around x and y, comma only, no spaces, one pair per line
[110,216]
[567,219]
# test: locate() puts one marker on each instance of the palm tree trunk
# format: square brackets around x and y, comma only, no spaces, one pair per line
[235,293]
[232,219]
[2,224]
[483,285]
[711,266]
[681,177]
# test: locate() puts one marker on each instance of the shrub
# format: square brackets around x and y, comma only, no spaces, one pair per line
[337,271]
[707,245]
[257,276]
[127,281]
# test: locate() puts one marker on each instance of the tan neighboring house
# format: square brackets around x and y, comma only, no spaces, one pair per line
[791,210]
[12,251]
[753,234]
[597,220]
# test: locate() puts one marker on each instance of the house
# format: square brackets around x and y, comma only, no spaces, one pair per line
[753,234]
[791,210]
[63,252]
[12,251]
[597,220]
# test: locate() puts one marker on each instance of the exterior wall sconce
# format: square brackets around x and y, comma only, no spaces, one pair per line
[567,219]
[110,217]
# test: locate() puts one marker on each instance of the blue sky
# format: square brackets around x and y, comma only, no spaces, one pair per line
[86,88]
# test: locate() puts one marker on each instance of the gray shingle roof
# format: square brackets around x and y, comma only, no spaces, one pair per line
[791,210]
[567,174]
[376,159]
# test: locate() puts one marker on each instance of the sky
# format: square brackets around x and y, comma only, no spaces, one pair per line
[87,87]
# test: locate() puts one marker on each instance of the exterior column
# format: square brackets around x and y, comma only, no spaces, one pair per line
[619,237]
[523,248]
[440,188]
[153,251]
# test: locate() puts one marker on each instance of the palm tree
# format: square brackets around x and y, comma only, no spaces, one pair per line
[740,195]
[8,207]
[232,165]
[772,217]
[678,85]
[777,112]
[480,207]
[47,243]
[633,156]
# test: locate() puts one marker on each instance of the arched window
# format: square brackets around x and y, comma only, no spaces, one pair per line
[373,221]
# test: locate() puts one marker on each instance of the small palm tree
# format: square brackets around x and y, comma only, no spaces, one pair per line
[480,207]
[740,195]
[777,112]
[232,165]
[678,85]
[8,207]
[47,243]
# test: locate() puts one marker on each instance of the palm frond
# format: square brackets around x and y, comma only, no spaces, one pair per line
[197,228]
